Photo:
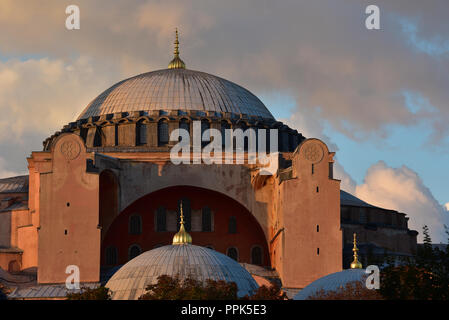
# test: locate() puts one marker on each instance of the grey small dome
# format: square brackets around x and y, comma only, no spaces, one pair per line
[176,89]
[331,282]
[186,260]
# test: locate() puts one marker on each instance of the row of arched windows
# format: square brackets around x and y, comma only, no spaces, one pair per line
[135,250]
[135,220]
[206,218]
[286,141]
[256,254]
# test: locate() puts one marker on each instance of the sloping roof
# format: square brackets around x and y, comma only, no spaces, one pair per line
[16,206]
[347,199]
[17,184]
[47,291]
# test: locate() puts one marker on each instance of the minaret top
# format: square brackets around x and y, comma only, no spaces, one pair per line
[356,263]
[182,237]
[176,63]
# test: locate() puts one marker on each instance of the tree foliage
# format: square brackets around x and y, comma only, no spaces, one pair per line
[3,292]
[100,293]
[173,288]
[355,290]
[272,292]
[425,278]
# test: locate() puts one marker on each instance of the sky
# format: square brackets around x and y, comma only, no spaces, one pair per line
[378,98]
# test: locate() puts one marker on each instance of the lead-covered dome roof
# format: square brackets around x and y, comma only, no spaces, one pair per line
[331,282]
[184,260]
[176,89]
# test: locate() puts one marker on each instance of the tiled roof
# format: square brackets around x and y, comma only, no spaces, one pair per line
[17,184]
[46,291]
[16,206]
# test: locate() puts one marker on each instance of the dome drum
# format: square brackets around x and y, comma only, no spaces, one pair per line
[101,133]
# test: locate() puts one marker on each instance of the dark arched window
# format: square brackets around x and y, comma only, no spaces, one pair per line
[98,137]
[111,256]
[233,253]
[141,133]
[241,125]
[161,219]
[135,224]
[187,211]
[134,251]
[232,225]
[205,124]
[206,220]
[184,124]
[224,125]
[256,255]
[162,132]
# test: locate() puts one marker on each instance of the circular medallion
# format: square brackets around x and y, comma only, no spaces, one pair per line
[70,149]
[313,152]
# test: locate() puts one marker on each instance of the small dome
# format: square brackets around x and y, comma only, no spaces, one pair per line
[332,282]
[184,260]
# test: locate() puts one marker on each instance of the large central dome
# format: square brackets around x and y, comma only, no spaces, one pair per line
[176,89]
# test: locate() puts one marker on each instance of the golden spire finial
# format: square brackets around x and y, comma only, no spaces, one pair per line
[176,44]
[176,63]
[356,263]
[182,237]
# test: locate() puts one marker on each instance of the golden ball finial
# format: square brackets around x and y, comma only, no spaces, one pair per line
[182,237]
[356,264]
[176,63]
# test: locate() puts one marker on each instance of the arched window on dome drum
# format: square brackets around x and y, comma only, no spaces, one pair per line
[161,219]
[256,255]
[111,256]
[141,134]
[135,224]
[224,125]
[162,132]
[184,124]
[134,251]
[268,139]
[187,211]
[232,225]
[243,127]
[233,253]
[97,137]
[205,124]
[206,217]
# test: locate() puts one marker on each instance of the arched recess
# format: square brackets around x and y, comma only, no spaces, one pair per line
[249,233]
[109,195]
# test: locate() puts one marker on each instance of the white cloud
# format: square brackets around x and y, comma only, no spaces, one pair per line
[40,96]
[447,206]
[4,173]
[403,190]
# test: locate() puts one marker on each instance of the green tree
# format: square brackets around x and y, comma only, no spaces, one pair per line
[173,288]
[425,278]
[272,292]
[100,293]
[355,290]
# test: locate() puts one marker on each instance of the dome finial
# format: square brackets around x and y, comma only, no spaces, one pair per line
[182,237]
[176,63]
[356,263]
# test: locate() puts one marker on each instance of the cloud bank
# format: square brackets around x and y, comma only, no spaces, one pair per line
[403,190]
